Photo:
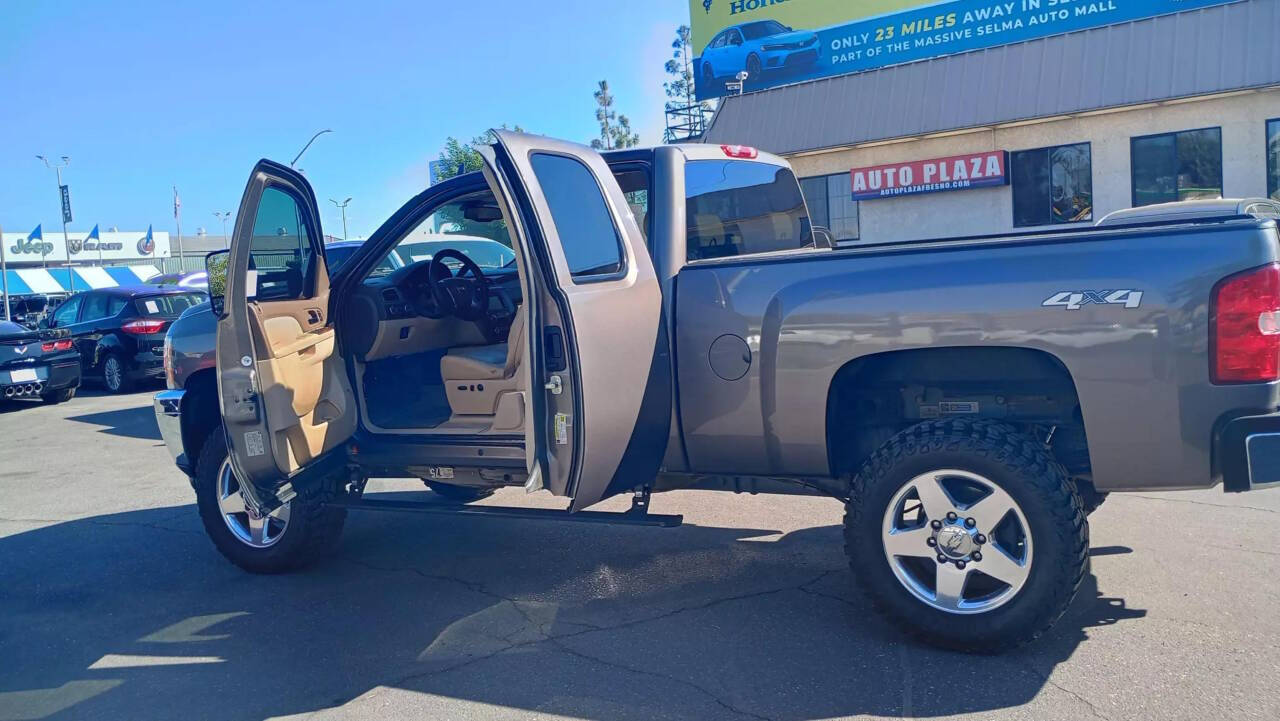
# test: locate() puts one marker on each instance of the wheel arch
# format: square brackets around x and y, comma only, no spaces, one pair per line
[200,413]
[873,397]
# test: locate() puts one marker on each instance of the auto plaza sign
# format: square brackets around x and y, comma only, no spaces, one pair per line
[785,41]
[956,172]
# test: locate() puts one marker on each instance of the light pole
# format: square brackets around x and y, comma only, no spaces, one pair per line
[223,215]
[343,207]
[57,168]
[308,145]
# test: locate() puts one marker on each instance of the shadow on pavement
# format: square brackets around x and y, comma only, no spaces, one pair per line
[134,615]
[136,422]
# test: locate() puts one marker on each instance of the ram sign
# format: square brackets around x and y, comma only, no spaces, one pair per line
[957,172]
[784,41]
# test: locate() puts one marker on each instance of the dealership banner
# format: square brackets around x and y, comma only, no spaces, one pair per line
[785,41]
[956,172]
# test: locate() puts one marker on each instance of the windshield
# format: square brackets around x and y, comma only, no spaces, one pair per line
[167,306]
[764,28]
[471,224]
[485,253]
[335,257]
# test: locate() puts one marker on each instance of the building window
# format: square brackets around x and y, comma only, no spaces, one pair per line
[1273,159]
[1052,185]
[1176,166]
[831,204]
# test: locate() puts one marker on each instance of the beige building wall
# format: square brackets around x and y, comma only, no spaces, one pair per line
[1241,116]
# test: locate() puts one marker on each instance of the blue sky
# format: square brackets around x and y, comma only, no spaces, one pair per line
[147,95]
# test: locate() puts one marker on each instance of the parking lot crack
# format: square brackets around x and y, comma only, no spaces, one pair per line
[1092,709]
[1198,503]
[472,586]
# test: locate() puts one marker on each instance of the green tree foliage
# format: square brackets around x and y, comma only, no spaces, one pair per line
[683,108]
[615,129]
[462,156]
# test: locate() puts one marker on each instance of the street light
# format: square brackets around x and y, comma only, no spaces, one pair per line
[223,215]
[343,207]
[57,168]
[308,145]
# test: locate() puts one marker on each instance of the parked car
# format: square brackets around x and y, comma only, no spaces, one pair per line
[757,47]
[968,400]
[119,332]
[40,364]
[29,310]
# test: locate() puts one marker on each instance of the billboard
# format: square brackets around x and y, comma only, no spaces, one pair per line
[956,172]
[785,41]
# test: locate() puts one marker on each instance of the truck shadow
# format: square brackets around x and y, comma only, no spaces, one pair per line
[134,615]
[136,422]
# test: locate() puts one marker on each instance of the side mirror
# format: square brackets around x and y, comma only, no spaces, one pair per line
[215,266]
[822,238]
[45,322]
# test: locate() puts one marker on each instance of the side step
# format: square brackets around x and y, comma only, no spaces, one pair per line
[627,518]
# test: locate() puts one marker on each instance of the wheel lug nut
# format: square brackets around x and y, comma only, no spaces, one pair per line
[960,564]
[942,558]
[970,523]
[980,538]
[977,555]
[935,525]
[951,515]
[931,541]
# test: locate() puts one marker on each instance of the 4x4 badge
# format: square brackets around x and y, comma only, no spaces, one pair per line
[1075,299]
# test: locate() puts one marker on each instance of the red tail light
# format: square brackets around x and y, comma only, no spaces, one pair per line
[142,327]
[56,345]
[1244,323]
[740,151]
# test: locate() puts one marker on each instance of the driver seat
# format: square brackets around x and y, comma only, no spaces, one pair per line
[479,379]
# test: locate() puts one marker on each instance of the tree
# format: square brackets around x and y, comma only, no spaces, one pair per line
[458,158]
[615,130]
[686,116]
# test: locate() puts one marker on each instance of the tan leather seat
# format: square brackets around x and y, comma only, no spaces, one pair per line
[476,377]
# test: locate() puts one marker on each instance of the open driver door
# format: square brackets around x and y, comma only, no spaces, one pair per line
[285,398]
[600,409]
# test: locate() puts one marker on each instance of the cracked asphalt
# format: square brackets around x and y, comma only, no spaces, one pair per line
[114,605]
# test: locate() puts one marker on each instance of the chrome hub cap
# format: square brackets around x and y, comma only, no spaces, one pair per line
[247,525]
[957,541]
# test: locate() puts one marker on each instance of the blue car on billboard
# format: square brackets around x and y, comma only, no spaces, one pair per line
[757,47]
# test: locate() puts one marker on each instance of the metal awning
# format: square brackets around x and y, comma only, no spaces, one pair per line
[29,281]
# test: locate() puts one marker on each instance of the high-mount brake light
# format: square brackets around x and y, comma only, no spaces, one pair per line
[1244,323]
[745,152]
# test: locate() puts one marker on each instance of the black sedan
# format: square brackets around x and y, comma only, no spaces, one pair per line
[120,331]
[37,364]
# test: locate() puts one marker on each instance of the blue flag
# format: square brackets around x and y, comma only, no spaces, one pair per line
[36,234]
[147,245]
[93,234]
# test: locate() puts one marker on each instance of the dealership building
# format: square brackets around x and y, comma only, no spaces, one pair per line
[1045,133]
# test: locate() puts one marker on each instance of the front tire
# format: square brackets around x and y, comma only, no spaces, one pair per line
[968,534]
[291,537]
[115,375]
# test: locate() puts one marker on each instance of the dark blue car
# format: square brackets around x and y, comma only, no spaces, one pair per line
[37,364]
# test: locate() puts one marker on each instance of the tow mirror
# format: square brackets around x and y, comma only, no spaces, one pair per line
[215,266]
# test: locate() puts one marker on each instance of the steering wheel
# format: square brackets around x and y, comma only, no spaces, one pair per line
[454,293]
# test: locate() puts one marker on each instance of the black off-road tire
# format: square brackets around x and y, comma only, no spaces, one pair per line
[58,396]
[1024,469]
[458,494]
[312,533]
[1090,498]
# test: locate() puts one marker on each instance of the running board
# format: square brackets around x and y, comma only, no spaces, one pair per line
[627,518]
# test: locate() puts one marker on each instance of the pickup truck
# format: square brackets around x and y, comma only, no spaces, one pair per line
[667,318]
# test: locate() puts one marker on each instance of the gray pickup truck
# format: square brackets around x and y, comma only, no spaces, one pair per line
[667,318]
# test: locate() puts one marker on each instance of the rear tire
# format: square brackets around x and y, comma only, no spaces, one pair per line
[458,494]
[60,396]
[1020,591]
[115,374]
[310,532]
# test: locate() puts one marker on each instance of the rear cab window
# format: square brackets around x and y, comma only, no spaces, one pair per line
[739,207]
[166,306]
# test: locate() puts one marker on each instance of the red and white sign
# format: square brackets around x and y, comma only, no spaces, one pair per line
[957,172]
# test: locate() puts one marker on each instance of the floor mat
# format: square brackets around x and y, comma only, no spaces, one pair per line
[406,391]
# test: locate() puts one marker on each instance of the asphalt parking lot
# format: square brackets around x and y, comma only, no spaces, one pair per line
[114,605]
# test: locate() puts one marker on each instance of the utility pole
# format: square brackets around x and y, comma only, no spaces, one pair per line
[57,168]
[343,207]
[177,216]
[223,215]
[308,145]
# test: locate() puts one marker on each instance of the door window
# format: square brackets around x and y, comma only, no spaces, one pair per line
[590,240]
[95,307]
[66,314]
[281,254]
[635,188]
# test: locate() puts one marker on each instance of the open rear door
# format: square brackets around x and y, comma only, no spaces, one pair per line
[284,395]
[601,368]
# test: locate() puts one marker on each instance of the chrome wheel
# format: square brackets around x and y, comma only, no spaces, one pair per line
[957,541]
[112,373]
[250,528]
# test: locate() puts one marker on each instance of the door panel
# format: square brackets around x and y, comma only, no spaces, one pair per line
[285,396]
[605,430]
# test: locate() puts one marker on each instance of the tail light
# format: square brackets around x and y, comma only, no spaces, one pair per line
[740,151]
[57,345]
[142,326]
[1244,322]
